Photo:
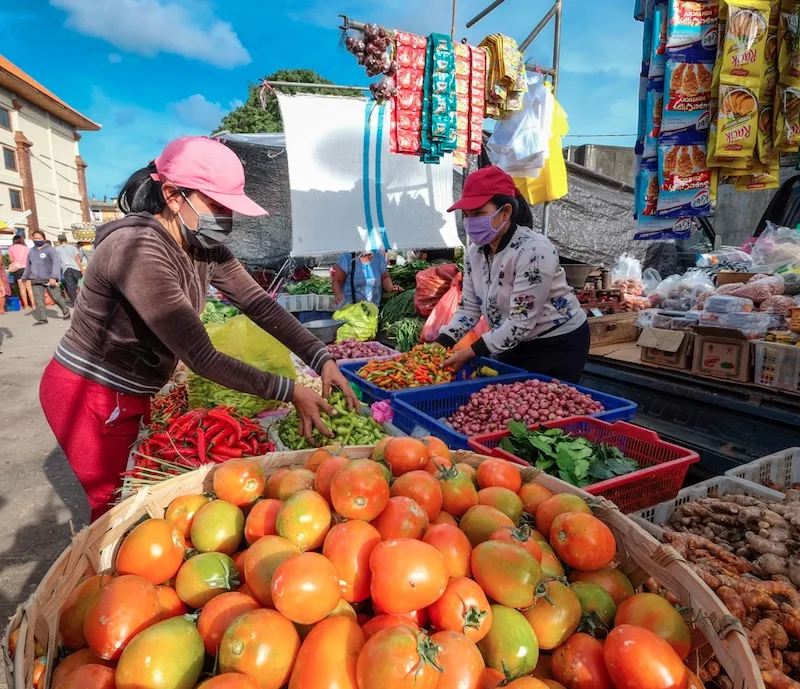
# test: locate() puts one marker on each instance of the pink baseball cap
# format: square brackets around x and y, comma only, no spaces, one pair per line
[207,166]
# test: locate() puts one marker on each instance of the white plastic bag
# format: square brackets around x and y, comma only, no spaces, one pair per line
[776,249]
[651,280]
[627,267]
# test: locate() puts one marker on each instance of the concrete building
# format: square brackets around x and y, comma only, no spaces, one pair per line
[104,210]
[616,162]
[41,168]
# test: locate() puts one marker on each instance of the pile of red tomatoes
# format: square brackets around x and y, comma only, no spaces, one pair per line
[401,571]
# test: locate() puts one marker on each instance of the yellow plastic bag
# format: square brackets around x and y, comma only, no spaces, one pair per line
[362,322]
[241,338]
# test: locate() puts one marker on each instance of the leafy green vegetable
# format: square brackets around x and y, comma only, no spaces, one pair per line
[406,275]
[314,285]
[399,307]
[575,460]
[216,311]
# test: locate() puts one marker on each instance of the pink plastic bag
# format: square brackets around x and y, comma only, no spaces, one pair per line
[442,313]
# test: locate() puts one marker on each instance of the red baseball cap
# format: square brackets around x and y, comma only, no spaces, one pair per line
[482,185]
[207,166]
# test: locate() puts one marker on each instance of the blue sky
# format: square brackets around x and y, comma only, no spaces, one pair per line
[152,70]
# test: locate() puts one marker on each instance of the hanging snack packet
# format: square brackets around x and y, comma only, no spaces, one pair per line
[765,147]
[789,45]
[759,177]
[744,47]
[787,118]
[687,97]
[653,115]
[657,41]
[663,228]
[684,179]
[737,122]
[647,183]
[692,30]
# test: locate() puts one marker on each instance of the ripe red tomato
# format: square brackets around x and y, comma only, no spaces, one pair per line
[380,448]
[359,490]
[398,658]
[230,680]
[578,664]
[402,518]
[72,662]
[304,520]
[153,550]
[238,560]
[125,606]
[582,541]
[239,481]
[544,668]
[181,511]
[454,546]
[421,487]
[206,576]
[380,622]
[349,546]
[502,499]
[261,520]
[316,458]
[510,646]
[325,473]
[638,659]
[611,579]
[168,654]
[73,611]
[261,644]
[418,617]
[470,471]
[272,489]
[481,521]
[218,527]
[435,464]
[652,612]
[558,504]
[521,537]
[491,679]
[507,573]
[533,495]
[597,603]
[437,448]
[462,608]
[552,684]
[294,481]
[94,676]
[405,454]
[527,683]
[305,588]
[499,472]
[328,656]
[461,661]
[171,604]
[217,615]
[551,565]
[260,562]
[458,491]
[407,575]
[444,518]
[555,616]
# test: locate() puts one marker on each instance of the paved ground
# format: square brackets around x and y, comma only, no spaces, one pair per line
[39,495]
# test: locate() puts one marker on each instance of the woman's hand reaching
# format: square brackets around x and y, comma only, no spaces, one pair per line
[332,377]
[308,405]
[459,359]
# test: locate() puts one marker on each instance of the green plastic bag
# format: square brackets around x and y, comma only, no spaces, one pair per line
[239,337]
[362,322]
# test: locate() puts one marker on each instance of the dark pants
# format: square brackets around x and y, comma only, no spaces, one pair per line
[40,312]
[71,279]
[562,356]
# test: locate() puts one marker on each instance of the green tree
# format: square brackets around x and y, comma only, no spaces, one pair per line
[251,118]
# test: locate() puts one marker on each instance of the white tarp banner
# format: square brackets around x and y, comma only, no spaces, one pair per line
[349,193]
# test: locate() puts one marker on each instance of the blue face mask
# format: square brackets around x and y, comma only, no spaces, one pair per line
[480,229]
[38,242]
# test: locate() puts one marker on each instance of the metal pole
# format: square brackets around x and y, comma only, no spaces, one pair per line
[317,86]
[453,24]
[556,64]
[539,27]
[482,14]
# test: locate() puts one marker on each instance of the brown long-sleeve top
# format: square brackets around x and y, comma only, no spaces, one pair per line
[138,313]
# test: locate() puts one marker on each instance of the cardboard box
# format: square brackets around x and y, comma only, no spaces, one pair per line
[618,327]
[722,353]
[666,348]
[726,277]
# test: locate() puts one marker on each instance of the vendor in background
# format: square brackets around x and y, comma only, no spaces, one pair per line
[139,313]
[361,277]
[512,277]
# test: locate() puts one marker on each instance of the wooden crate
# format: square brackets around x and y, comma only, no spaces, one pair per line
[613,329]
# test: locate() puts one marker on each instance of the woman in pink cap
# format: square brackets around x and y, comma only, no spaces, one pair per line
[512,277]
[139,313]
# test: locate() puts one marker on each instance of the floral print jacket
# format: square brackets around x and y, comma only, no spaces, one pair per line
[521,290]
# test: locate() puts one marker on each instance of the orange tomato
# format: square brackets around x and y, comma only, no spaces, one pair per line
[533,495]
[499,472]
[611,579]
[636,657]
[544,668]
[295,481]
[461,661]
[527,683]
[305,588]
[507,573]
[304,520]
[582,541]
[380,448]
[552,684]
[171,604]
[458,491]
[502,499]
[481,521]
[73,611]
[325,473]
[558,504]
[652,612]
[551,566]
[206,576]
[555,616]
[229,680]
[381,622]
[272,488]
[328,657]
[454,546]
[435,464]
[260,562]
[218,527]
[154,550]
[491,679]
[181,511]
[418,617]
[217,615]
[261,520]
[401,518]
[444,518]
[397,658]
[469,470]
[462,608]
[421,487]
[261,644]
[405,454]
[521,537]
[578,664]
[93,675]
[359,490]
[73,662]
[407,575]
[316,458]
[239,481]
[124,607]
[349,546]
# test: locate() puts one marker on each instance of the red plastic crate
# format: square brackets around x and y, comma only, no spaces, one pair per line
[635,491]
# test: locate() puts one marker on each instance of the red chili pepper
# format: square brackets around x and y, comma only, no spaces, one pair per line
[225,453]
[254,446]
[201,444]
[227,418]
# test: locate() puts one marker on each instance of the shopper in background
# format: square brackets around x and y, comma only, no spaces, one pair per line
[19,259]
[85,251]
[43,270]
[361,277]
[71,266]
[5,287]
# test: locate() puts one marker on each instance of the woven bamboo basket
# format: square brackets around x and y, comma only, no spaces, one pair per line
[641,557]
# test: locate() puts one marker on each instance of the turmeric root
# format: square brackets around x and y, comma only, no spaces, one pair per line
[765,545]
[758,598]
[771,632]
[791,621]
[733,601]
[792,658]
[775,679]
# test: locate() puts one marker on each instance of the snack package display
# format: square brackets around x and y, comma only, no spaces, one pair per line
[653,228]
[692,30]
[744,47]
[765,146]
[788,46]
[648,188]
[787,117]
[758,177]
[687,97]
[737,121]
[653,114]
[684,179]
[658,40]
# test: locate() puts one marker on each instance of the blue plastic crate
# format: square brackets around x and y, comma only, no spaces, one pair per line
[12,303]
[424,407]
[372,393]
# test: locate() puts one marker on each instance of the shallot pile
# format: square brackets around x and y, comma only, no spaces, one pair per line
[532,401]
[373,49]
[353,349]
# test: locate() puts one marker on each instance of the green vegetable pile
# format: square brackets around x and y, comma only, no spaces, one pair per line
[406,275]
[405,333]
[399,306]
[216,311]
[575,460]
[350,427]
[314,285]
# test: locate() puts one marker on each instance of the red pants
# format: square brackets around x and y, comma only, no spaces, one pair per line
[95,428]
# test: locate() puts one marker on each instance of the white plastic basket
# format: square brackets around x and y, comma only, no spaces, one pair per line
[296,303]
[777,365]
[781,468]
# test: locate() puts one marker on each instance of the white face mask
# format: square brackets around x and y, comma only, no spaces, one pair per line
[212,230]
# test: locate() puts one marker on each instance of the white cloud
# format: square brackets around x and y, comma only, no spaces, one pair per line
[197,111]
[236,103]
[115,58]
[150,27]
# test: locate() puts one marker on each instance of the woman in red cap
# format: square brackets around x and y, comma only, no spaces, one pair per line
[512,277]
[139,313]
